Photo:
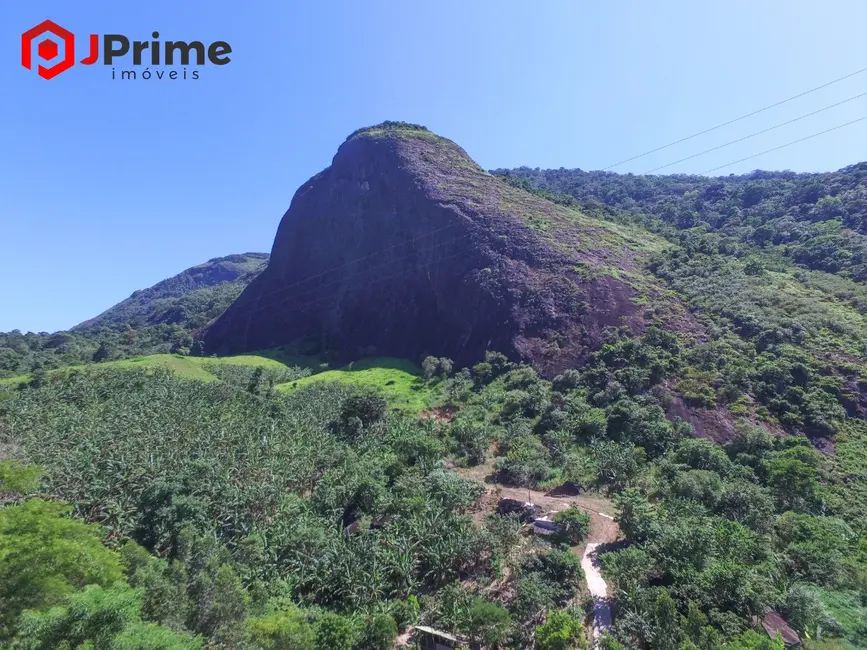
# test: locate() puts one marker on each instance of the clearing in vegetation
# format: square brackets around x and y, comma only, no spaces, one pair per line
[398,380]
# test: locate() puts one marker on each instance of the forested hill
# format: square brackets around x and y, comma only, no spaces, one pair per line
[158,319]
[178,300]
[818,221]
[771,263]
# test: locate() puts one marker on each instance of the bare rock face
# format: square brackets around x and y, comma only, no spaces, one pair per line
[405,247]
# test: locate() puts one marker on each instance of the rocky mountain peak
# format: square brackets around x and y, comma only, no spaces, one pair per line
[404,246]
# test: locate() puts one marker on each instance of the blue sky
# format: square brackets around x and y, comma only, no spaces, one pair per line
[110,186]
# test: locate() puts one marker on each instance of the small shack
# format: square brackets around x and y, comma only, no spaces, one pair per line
[428,638]
[521,510]
[544,526]
[775,624]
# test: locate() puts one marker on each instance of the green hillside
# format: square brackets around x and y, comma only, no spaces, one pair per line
[201,368]
[397,379]
[160,319]
[181,299]
[709,435]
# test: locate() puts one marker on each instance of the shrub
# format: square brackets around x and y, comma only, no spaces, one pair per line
[814,548]
[527,462]
[472,439]
[521,378]
[499,362]
[483,372]
[405,612]
[429,367]
[699,485]
[805,611]
[524,403]
[45,556]
[634,514]
[333,632]
[436,367]
[569,380]
[379,632]
[628,568]
[488,623]
[751,640]
[288,630]
[533,594]
[359,412]
[454,491]
[559,568]
[617,465]
[18,479]
[699,453]
[573,525]
[102,619]
[561,631]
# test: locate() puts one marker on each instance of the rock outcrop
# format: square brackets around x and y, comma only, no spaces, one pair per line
[405,247]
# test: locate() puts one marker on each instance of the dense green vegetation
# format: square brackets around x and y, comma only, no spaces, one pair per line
[170,500]
[245,519]
[772,266]
[316,512]
[818,221]
[179,299]
[242,371]
[160,319]
[391,128]
[715,535]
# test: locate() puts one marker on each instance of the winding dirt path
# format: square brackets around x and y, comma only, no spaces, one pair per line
[603,530]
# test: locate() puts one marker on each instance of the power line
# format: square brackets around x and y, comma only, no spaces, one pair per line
[284,288]
[788,144]
[752,135]
[737,119]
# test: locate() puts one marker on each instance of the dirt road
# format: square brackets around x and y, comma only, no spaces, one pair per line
[598,589]
[603,528]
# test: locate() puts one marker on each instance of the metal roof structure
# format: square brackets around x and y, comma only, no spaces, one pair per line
[439,633]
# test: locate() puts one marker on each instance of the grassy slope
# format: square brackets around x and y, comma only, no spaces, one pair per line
[398,379]
[190,367]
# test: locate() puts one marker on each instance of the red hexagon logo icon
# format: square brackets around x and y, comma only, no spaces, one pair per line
[47,49]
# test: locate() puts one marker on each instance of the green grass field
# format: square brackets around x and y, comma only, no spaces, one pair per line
[191,367]
[399,381]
